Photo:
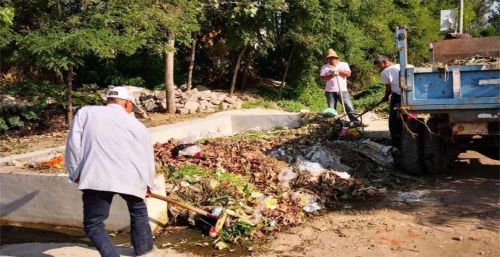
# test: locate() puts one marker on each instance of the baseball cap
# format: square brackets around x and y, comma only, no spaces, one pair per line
[120,93]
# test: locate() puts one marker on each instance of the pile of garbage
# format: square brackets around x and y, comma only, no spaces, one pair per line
[266,181]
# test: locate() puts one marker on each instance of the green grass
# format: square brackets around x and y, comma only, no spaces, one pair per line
[260,103]
[313,99]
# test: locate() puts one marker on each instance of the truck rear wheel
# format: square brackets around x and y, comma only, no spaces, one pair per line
[435,154]
[410,148]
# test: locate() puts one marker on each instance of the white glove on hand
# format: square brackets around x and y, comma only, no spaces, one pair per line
[334,71]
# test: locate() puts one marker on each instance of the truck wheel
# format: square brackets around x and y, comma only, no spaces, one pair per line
[410,149]
[435,154]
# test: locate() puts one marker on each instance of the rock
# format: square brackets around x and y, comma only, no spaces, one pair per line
[149,105]
[215,101]
[191,106]
[237,105]
[145,97]
[184,111]
[201,88]
[226,106]
[160,95]
[204,104]
[204,95]
[139,111]
[229,100]
[163,105]
[183,87]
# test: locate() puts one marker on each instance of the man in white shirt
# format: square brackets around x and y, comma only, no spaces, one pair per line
[389,76]
[110,152]
[335,74]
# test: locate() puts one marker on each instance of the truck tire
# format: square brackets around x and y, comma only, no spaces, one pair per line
[410,149]
[435,153]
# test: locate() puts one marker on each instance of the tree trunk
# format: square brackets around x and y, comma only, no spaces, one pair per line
[248,61]
[235,71]
[191,64]
[69,94]
[287,65]
[169,73]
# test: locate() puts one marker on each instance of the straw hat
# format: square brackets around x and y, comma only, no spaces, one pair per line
[331,53]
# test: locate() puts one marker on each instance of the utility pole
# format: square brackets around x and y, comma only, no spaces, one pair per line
[461,21]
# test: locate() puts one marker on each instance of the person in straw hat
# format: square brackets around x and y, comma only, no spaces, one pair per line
[335,74]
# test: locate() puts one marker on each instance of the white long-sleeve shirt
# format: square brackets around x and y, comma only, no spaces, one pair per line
[110,150]
[337,82]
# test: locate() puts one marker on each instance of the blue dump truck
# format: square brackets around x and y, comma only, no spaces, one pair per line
[449,109]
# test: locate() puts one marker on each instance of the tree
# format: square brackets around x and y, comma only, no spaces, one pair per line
[72,30]
[191,64]
[493,26]
[175,20]
[6,35]
[247,27]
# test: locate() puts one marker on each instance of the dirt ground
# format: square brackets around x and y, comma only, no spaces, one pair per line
[457,215]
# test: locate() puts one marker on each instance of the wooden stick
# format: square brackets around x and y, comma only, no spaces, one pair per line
[183,205]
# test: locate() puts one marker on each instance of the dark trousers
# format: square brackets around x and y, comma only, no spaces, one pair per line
[96,206]
[395,122]
[332,98]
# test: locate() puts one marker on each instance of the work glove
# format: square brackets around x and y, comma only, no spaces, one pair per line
[334,71]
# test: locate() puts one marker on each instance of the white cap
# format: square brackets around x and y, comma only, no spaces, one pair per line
[120,93]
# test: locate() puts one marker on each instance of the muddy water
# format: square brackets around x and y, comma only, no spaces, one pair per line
[181,239]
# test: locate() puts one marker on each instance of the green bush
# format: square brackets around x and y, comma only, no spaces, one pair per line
[3,125]
[43,99]
[369,97]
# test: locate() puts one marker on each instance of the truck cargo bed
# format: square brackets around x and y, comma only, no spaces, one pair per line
[453,87]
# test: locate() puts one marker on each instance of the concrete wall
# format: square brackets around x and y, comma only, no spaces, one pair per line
[27,196]
[51,199]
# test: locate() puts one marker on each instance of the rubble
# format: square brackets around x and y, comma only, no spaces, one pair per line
[199,99]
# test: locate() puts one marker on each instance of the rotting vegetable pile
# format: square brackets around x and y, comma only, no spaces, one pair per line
[267,181]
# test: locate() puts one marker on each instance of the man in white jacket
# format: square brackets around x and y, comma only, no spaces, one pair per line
[110,152]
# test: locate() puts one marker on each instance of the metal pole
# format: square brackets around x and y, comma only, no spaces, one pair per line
[461,23]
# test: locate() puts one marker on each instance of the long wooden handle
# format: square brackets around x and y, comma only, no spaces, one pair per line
[183,205]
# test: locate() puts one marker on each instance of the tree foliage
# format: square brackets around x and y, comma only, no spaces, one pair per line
[126,41]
